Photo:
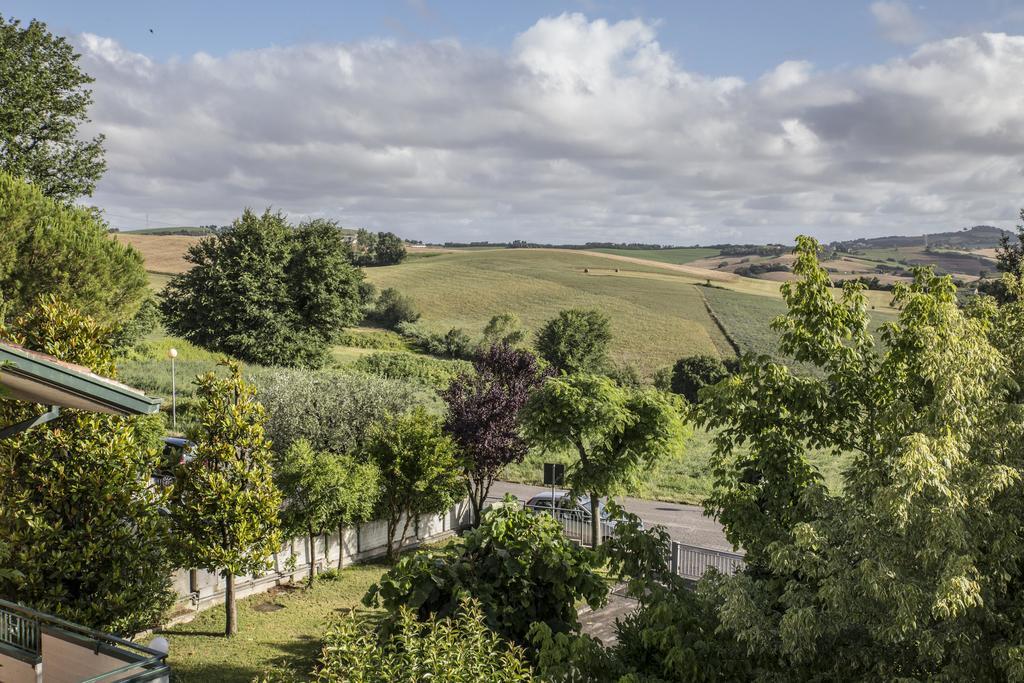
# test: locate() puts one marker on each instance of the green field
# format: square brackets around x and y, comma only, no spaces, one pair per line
[678,255]
[657,315]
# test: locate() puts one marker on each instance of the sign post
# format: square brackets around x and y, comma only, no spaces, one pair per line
[554,475]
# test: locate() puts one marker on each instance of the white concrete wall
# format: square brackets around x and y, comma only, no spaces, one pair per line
[367,542]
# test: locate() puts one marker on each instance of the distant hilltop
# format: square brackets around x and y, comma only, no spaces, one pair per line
[977,237]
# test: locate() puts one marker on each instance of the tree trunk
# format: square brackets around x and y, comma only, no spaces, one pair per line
[341,547]
[474,506]
[595,521]
[230,612]
[390,554]
[312,556]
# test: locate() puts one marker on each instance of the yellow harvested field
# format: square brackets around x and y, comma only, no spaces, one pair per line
[162,253]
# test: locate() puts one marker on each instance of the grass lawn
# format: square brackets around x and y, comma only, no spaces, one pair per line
[279,631]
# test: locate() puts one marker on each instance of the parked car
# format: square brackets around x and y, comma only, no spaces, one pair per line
[177,451]
[568,509]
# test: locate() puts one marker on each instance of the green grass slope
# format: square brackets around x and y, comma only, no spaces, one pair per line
[657,316]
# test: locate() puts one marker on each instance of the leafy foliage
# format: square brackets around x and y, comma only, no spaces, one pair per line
[431,372]
[224,504]
[332,410]
[693,373]
[518,565]
[44,99]
[483,415]
[458,648]
[615,431]
[51,249]
[393,308]
[575,340]
[418,469]
[504,328]
[379,249]
[265,292]
[323,491]
[912,572]
[78,513]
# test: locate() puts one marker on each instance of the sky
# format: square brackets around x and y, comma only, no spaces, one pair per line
[658,122]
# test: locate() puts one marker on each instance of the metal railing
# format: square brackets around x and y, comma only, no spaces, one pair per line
[575,522]
[21,630]
[691,561]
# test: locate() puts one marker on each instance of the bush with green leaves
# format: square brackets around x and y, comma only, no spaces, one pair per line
[504,328]
[693,373]
[331,409]
[393,308]
[323,492]
[576,340]
[51,249]
[425,370]
[379,249]
[455,649]
[265,292]
[384,340]
[520,567]
[78,512]
[419,471]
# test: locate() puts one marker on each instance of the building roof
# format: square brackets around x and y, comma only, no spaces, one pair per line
[38,378]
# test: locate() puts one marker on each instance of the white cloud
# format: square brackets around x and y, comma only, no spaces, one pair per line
[898,22]
[584,130]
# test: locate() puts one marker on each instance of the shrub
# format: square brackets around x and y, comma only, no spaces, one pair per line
[520,566]
[432,372]
[371,339]
[454,649]
[78,511]
[332,410]
[393,308]
[693,373]
[575,340]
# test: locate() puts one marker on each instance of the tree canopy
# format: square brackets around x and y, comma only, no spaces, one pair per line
[419,471]
[913,570]
[265,292]
[44,99]
[224,504]
[49,248]
[615,432]
[575,340]
[483,415]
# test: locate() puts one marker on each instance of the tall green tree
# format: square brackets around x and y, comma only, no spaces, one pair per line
[224,504]
[78,512]
[913,569]
[575,340]
[44,99]
[322,492]
[49,248]
[615,432]
[265,292]
[419,471]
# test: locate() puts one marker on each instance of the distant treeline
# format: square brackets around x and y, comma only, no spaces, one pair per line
[752,249]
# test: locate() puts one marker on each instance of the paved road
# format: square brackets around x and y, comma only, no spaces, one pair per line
[685,523]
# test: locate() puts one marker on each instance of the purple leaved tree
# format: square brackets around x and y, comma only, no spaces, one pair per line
[483,412]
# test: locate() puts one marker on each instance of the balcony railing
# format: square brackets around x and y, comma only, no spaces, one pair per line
[96,655]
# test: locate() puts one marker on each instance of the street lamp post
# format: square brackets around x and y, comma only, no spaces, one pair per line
[172,353]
